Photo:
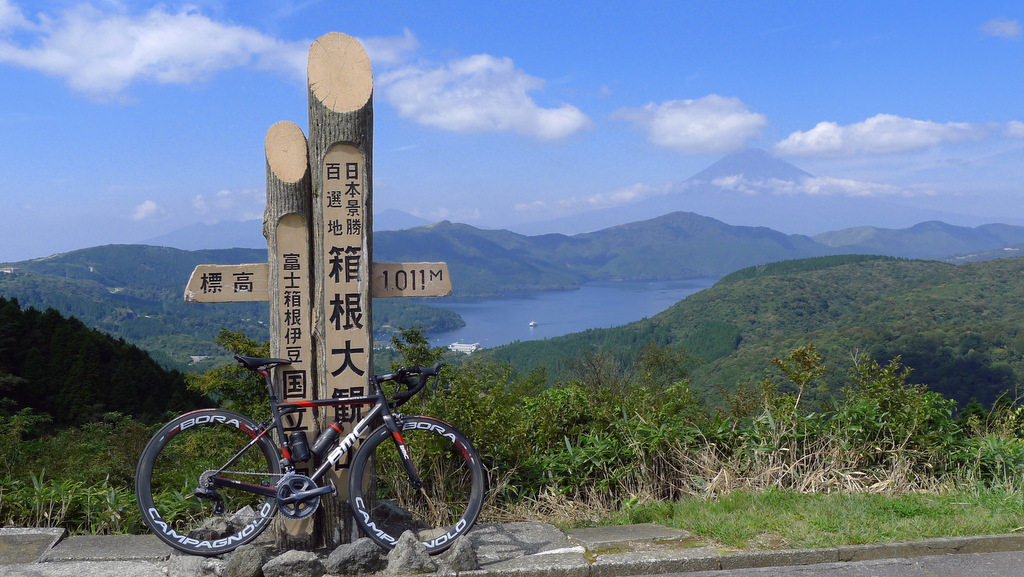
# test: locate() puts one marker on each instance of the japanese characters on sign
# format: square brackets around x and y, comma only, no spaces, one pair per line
[294,312]
[228,283]
[346,331]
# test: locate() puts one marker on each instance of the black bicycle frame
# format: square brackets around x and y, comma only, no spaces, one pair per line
[381,408]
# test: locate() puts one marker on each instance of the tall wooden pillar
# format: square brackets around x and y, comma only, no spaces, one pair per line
[290,272]
[340,158]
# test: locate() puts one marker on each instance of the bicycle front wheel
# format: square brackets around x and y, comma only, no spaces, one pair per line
[178,489]
[384,500]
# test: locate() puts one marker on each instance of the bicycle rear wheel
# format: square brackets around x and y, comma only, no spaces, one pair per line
[173,486]
[384,501]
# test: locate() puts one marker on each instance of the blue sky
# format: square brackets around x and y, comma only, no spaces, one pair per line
[123,120]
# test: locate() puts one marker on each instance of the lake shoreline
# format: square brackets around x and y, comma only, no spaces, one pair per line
[538,315]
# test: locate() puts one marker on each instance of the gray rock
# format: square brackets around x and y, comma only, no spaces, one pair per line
[294,564]
[462,556]
[191,566]
[359,558]
[218,526]
[410,557]
[246,561]
[242,517]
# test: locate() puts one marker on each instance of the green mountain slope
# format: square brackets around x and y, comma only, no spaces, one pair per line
[136,292]
[675,246]
[925,240]
[681,245]
[958,327]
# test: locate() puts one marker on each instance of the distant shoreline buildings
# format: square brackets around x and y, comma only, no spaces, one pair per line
[465,348]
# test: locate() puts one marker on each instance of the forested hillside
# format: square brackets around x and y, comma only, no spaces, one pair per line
[136,292]
[58,366]
[674,246]
[957,327]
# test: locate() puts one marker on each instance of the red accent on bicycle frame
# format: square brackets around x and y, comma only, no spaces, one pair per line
[285,453]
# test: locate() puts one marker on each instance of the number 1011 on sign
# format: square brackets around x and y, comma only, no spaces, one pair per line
[412,279]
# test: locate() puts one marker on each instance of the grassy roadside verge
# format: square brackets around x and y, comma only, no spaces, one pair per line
[776,519]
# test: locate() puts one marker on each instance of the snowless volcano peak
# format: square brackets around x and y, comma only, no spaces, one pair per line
[753,164]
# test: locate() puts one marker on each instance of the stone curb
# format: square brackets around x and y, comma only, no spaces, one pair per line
[709,559]
[107,548]
[558,557]
[18,545]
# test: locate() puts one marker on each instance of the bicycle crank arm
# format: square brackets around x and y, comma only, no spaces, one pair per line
[302,495]
[247,487]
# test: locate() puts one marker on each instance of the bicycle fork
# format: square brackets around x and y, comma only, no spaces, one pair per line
[403,451]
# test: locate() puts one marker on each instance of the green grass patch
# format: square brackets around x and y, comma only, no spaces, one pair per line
[781,519]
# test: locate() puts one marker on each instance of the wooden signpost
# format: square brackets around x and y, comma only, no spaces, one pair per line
[321,279]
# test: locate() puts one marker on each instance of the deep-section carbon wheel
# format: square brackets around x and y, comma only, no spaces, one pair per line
[180,482]
[385,502]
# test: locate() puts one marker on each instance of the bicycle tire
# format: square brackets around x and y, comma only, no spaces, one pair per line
[169,472]
[384,502]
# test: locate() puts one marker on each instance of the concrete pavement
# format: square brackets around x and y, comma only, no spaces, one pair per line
[535,549]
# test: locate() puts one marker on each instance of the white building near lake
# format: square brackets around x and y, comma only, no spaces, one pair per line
[464,347]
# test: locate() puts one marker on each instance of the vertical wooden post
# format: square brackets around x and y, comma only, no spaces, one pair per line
[321,277]
[340,158]
[290,277]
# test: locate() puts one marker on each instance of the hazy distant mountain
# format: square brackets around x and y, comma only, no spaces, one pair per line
[752,164]
[225,234]
[249,233]
[753,188]
[925,240]
[393,219]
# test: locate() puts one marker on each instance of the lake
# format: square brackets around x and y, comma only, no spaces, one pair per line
[499,321]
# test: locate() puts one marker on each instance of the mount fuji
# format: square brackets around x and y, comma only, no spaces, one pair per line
[754,188]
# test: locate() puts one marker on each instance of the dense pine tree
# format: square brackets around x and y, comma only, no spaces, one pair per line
[58,366]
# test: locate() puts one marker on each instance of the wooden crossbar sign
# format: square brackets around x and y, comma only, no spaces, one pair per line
[229,283]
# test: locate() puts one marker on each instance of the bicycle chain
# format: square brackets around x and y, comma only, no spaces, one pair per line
[279,516]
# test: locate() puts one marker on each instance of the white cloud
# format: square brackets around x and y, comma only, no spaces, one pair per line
[712,124]
[231,204]
[880,134]
[618,197]
[146,210]
[200,205]
[102,54]
[480,93]
[829,186]
[1014,129]
[1002,28]
[460,214]
[390,50]
[11,17]
[808,185]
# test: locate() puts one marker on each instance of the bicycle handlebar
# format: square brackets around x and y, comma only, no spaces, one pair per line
[415,378]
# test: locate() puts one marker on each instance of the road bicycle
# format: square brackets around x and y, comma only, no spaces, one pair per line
[212,480]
